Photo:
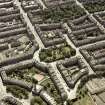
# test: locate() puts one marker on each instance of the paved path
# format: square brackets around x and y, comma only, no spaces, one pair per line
[41,2]
[77,50]
[36,55]
[2,89]
[37,38]
[100,25]
[71,92]
[60,78]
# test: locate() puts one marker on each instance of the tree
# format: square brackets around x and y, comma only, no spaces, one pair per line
[34,81]
[69,102]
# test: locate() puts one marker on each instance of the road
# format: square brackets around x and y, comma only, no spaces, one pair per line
[2,89]
[66,88]
[91,16]
[36,56]
[70,92]
[37,38]
[3,93]
[77,50]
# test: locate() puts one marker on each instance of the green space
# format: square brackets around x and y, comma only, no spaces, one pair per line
[84,101]
[63,13]
[56,53]
[82,98]
[6,102]
[17,92]
[37,101]
[95,7]
[26,74]
[50,88]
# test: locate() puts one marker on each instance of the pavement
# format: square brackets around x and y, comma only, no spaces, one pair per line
[36,55]
[27,20]
[71,92]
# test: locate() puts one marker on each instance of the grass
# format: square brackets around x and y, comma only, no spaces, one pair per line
[37,101]
[84,101]
[82,97]
[49,86]
[27,74]
[17,92]
[56,53]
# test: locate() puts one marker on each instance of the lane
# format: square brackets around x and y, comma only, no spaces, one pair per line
[58,74]
[77,50]
[70,92]
[37,38]
[91,16]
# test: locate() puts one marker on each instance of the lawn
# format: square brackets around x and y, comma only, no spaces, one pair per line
[56,53]
[26,74]
[84,101]
[49,86]
[37,101]
[83,97]
[17,92]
